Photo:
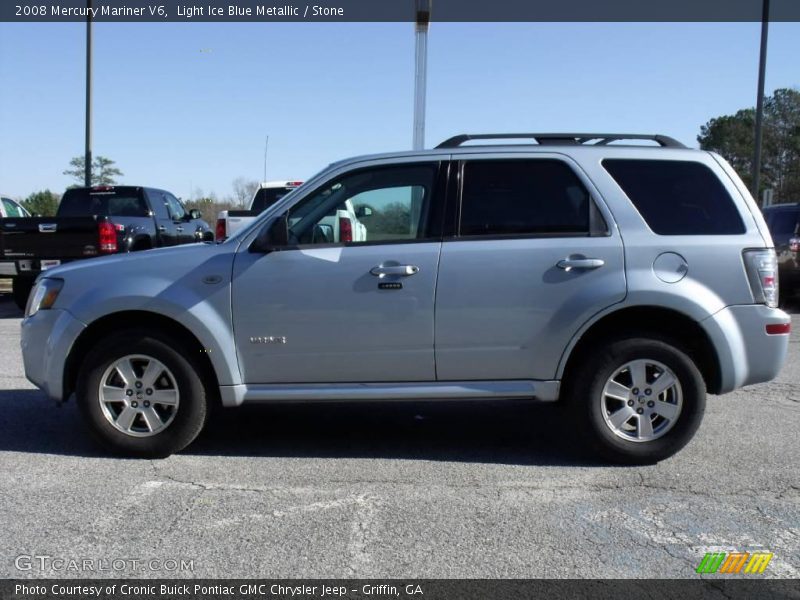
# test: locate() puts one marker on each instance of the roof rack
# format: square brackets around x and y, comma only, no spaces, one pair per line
[561,139]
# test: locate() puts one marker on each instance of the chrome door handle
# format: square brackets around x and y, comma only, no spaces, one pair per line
[398,270]
[179,229]
[161,228]
[580,263]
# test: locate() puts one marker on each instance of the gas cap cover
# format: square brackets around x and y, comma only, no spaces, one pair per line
[670,267]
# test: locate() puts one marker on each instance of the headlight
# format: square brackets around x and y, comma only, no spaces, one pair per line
[43,296]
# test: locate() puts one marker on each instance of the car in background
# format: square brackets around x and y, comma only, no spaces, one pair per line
[93,222]
[12,208]
[267,194]
[783,221]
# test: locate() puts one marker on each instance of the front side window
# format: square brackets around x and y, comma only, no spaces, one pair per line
[522,197]
[372,205]
[176,209]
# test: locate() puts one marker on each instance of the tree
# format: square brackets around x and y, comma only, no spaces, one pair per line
[732,136]
[103,170]
[243,191]
[43,203]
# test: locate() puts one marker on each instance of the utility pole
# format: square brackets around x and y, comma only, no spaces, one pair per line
[87,176]
[762,67]
[423,17]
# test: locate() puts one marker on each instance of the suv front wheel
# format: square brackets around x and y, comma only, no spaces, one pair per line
[638,400]
[140,395]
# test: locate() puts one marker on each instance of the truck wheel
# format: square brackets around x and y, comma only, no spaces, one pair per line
[20,289]
[636,400]
[140,396]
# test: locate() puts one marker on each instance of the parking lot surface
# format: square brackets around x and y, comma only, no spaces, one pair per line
[398,490]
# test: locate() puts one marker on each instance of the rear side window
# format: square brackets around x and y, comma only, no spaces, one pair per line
[677,197]
[519,197]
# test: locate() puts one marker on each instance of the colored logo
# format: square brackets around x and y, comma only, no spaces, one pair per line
[734,562]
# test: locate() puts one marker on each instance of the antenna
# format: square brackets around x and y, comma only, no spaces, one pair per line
[266,147]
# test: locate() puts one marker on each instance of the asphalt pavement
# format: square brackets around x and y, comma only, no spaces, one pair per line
[393,491]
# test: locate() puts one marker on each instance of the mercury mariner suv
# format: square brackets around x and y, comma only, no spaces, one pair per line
[624,276]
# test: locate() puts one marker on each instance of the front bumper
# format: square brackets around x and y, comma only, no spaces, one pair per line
[746,353]
[47,338]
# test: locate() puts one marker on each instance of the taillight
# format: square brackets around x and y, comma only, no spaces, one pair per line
[220,232]
[762,272]
[794,245]
[106,237]
[779,328]
[345,230]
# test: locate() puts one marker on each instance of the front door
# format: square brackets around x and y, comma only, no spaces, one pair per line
[351,298]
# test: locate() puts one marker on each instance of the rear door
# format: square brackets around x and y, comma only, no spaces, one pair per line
[531,258]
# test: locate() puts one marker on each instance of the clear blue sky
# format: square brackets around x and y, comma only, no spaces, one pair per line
[186,106]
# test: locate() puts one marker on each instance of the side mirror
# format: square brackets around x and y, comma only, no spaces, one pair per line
[363,211]
[274,236]
[194,214]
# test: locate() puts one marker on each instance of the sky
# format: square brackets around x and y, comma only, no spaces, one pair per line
[187,106]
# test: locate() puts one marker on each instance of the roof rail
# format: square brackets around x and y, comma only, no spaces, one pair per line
[591,139]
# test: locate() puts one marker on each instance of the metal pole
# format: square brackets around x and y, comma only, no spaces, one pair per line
[87,177]
[762,67]
[423,16]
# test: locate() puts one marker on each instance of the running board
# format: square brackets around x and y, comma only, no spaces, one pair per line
[541,391]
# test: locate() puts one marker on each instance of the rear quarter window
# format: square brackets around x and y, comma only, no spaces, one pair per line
[677,197]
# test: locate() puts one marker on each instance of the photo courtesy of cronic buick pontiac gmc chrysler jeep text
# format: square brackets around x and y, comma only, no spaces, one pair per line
[622,275]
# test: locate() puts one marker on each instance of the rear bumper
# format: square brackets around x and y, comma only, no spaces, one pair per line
[46,340]
[746,353]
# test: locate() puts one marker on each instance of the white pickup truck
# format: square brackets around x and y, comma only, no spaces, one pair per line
[340,226]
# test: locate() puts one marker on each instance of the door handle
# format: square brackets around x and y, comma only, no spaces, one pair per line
[398,270]
[162,229]
[580,263]
[179,229]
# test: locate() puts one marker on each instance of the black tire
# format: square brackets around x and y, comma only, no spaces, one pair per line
[20,289]
[585,400]
[190,415]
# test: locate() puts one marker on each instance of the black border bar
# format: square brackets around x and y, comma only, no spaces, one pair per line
[404,589]
[189,11]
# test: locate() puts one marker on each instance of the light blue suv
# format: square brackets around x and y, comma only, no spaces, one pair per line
[623,275]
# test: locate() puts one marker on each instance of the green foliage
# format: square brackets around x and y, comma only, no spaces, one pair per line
[393,219]
[103,170]
[43,203]
[732,136]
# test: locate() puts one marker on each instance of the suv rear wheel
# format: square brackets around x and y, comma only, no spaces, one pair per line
[140,395]
[638,400]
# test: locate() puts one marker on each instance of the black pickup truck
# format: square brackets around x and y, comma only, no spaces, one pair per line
[94,222]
